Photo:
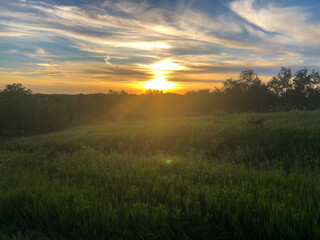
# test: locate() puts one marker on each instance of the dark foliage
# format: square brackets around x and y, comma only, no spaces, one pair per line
[23,112]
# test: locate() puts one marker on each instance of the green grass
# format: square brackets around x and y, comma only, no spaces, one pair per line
[215,177]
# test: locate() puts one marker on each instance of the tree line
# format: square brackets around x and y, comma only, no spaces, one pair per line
[22,112]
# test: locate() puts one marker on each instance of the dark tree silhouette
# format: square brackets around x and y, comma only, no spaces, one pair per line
[17,112]
[22,112]
[247,93]
[305,92]
[153,91]
[282,82]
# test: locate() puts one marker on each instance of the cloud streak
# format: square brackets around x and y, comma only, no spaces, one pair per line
[75,42]
[290,23]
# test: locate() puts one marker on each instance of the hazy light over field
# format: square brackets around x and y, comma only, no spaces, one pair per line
[93,46]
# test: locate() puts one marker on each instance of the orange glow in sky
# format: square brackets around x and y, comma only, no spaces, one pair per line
[160,83]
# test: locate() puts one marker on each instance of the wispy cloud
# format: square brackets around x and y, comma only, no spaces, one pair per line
[289,23]
[75,42]
[11,34]
[13,51]
[47,65]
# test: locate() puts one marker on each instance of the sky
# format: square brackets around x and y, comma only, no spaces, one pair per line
[82,46]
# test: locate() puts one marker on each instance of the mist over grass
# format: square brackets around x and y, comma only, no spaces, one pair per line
[245,176]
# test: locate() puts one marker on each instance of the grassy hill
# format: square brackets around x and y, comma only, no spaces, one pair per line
[248,176]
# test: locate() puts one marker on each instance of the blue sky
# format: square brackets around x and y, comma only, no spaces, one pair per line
[75,46]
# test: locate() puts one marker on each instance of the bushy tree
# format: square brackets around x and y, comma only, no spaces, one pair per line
[305,83]
[305,92]
[249,78]
[17,109]
[247,93]
[22,113]
[282,82]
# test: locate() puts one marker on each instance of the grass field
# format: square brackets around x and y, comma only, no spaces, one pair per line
[249,176]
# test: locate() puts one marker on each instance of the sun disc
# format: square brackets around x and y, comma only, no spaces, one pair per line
[159,83]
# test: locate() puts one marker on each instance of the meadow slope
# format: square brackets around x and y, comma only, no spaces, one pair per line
[247,176]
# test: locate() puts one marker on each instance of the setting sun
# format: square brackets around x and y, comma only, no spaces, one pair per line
[159,83]
[160,70]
